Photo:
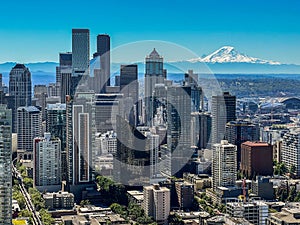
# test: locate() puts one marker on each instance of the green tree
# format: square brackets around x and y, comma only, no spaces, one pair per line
[292,169]
[84,202]
[46,217]
[28,182]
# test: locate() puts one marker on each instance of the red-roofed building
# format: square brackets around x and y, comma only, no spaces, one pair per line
[256,159]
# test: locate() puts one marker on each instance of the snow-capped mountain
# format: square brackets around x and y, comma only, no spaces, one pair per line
[228,54]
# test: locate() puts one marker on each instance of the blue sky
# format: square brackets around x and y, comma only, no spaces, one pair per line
[33,30]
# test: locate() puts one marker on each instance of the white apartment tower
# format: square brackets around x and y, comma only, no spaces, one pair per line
[224,164]
[290,152]
[157,201]
[47,161]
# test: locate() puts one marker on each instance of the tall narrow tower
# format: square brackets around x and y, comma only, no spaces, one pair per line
[5,165]
[224,165]
[103,50]
[154,75]
[223,111]
[80,52]
[20,90]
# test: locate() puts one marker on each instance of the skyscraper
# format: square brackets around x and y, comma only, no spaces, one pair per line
[290,152]
[20,90]
[29,127]
[63,75]
[65,61]
[224,165]
[179,127]
[201,129]
[56,125]
[56,122]
[238,132]
[103,50]
[132,160]
[47,161]
[223,111]
[40,95]
[81,137]
[80,52]
[129,87]
[107,107]
[154,75]
[5,165]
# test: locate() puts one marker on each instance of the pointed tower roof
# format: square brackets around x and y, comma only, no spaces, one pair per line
[154,54]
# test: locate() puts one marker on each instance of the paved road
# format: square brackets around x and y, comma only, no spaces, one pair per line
[29,204]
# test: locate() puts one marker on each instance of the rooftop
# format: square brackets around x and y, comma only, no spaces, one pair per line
[256,144]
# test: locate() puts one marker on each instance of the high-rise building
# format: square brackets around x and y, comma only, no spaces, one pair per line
[20,90]
[56,125]
[179,128]
[103,50]
[132,160]
[223,110]
[80,52]
[107,107]
[191,80]
[256,212]
[224,165]
[63,75]
[81,137]
[29,127]
[152,143]
[40,94]
[129,87]
[185,194]
[5,165]
[157,201]
[154,74]
[65,61]
[56,122]
[256,159]
[201,129]
[106,143]
[237,132]
[290,153]
[47,161]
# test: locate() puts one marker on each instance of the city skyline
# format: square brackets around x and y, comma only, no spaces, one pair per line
[267,31]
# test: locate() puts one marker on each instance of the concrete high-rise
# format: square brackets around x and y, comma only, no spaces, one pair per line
[157,202]
[81,137]
[29,127]
[80,52]
[290,152]
[47,161]
[20,90]
[154,74]
[5,165]
[224,165]
[223,110]
[256,159]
